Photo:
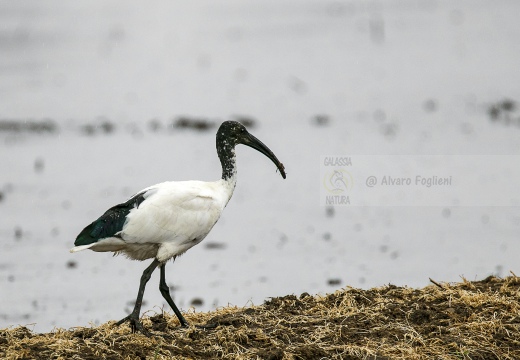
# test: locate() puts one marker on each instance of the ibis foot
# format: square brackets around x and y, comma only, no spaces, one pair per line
[135,324]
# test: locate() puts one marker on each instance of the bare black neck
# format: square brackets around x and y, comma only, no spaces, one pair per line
[226,154]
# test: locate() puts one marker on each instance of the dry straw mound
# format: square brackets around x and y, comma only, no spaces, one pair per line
[467,320]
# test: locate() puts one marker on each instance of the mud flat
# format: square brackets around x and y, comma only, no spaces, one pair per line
[465,320]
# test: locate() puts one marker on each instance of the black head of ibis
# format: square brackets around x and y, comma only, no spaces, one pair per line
[232,133]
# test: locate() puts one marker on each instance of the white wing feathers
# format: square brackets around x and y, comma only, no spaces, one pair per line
[175,212]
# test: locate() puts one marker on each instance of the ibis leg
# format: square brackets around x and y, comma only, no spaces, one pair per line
[133,318]
[165,291]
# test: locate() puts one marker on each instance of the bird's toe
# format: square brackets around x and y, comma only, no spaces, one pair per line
[135,324]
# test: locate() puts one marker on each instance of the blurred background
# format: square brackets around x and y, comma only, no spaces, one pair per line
[99,99]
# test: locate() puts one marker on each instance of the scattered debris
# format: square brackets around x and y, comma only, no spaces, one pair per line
[28,125]
[132,303]
[102,125]
[334,282]
[321,120]
[88,129]
[282,241]
[248,121]
[389,130]
[330,211]
[212,245]
[197,302]
[199,124]
[107,126]
[505,112]
[18,233]
[430,106]
[154,125]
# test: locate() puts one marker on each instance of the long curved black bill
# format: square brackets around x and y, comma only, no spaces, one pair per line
[256,144]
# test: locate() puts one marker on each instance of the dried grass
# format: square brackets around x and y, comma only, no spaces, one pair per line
[467,320]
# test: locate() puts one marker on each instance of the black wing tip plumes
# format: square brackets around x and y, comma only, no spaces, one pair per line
[85,237]
[110,223]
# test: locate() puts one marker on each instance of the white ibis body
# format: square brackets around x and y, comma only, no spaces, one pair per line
[165,220]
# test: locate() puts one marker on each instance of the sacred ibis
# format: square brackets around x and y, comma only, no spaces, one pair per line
[163,221]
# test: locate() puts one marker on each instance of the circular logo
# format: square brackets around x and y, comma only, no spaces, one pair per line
[338,181]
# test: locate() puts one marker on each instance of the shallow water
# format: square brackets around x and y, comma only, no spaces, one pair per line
[318,78]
